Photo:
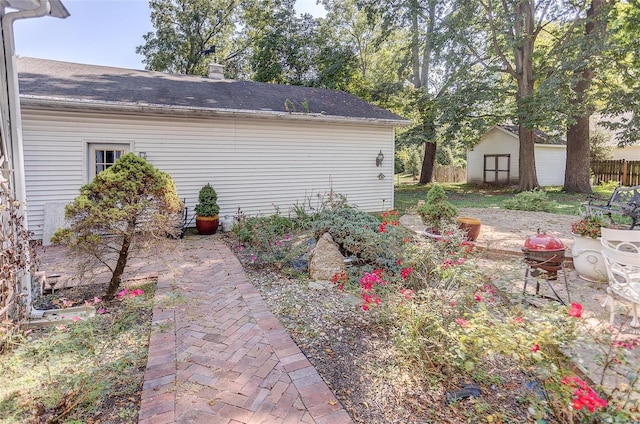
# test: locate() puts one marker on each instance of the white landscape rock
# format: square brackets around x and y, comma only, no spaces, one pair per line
[326,259]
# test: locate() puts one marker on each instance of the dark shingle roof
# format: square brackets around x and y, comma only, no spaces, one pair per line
[91,84]
[539,137]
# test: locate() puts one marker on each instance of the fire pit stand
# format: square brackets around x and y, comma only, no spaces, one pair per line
[547,270]
[544,256]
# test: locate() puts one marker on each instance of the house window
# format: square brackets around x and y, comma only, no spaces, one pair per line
[102,156]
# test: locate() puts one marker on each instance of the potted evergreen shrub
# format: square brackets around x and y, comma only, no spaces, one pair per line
[436,211]
[207,210]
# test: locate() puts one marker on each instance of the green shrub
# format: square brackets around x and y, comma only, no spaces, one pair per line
[535,201]
[437,210]
[270,239]
[127,206]
[207,202]
[362,235]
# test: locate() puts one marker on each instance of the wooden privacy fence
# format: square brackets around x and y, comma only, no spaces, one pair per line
[625,172]
[449,174]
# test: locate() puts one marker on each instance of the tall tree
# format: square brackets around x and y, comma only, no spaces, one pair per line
[619,87]
[512,29]
[418,20]
[184,31]
[577,175]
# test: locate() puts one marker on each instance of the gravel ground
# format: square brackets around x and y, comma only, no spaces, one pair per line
[356,356]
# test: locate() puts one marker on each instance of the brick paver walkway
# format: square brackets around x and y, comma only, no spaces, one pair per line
[216,353]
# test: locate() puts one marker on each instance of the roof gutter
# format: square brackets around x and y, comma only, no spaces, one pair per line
[11,125]
[39,102]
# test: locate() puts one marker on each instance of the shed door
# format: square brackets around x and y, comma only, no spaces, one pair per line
[497,169]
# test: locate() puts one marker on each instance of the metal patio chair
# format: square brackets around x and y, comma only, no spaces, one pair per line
[621,252]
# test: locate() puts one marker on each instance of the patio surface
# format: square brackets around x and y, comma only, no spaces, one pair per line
[216,353]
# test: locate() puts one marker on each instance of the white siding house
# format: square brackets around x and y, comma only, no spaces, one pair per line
[257,158]
[494,160]
[627,153]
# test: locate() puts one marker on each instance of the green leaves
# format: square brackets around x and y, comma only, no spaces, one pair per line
[129,201]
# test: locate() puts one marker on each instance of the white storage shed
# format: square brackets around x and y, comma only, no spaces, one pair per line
[494,160]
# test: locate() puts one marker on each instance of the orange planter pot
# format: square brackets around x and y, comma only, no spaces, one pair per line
[470,225]
[207,225]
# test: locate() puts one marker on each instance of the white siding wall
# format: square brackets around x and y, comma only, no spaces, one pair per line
[550,164]
[253,164]
[550,159]
[627,153]
[494,142]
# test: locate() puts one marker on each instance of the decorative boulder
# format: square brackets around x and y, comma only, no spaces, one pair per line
[326,259]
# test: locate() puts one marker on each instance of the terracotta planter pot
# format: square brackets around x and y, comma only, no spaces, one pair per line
[207,225]
[470,225]
[587,259]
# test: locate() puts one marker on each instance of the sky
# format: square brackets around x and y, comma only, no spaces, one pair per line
[98,32]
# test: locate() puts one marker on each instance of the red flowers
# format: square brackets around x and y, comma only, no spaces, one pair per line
[584,396]
[535,348]
[462,322]
[383,227]
[575,310]
[406,272]
[339,278]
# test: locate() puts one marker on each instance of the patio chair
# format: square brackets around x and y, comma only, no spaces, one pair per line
[621,252]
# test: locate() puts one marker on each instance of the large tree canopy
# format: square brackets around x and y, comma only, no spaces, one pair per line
[184,31]
[453,67]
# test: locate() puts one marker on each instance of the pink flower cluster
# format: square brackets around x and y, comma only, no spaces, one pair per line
[131,293]
[407,293]
[583,395]
[626,344]
[367,287]
[462,322]
[486,293]
[449,263]
[575,310]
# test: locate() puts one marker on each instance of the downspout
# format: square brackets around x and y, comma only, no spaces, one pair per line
[14,144]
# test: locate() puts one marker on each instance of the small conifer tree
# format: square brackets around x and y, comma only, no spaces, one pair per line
[128,206]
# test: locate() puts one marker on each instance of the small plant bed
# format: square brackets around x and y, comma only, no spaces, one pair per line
[416,331]
[82,370]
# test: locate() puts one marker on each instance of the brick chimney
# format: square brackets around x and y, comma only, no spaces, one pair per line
[215,71]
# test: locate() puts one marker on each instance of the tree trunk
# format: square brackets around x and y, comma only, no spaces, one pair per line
[428,162]
[415,46]
[577,170]
[116,277]
[576,174]
[524,29]
[527,160]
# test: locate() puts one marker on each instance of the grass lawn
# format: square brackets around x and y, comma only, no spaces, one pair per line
[464,195]
[81,371]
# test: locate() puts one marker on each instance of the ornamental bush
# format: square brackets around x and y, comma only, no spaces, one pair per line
[437,210]
[128,206]
[363,236]
[534,201]
[207,202]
